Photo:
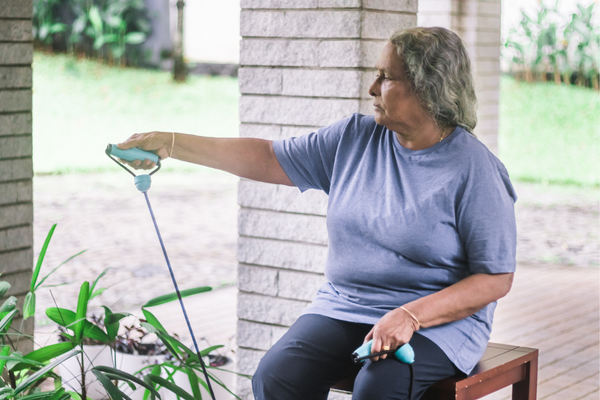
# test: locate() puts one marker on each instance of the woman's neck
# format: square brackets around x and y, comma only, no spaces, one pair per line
[421,136]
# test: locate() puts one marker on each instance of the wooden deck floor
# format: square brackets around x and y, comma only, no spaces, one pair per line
[554,309]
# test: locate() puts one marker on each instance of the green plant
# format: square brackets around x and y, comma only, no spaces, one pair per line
[183,360]
[584,38]
[108,29]
[46,21]
[545,45]
[25,372]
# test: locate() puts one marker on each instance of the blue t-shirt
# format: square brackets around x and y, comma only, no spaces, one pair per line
[404,224]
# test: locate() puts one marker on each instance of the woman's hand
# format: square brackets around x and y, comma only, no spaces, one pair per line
[157,142]
[392,331]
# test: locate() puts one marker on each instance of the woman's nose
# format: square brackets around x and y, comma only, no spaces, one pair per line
[374,88]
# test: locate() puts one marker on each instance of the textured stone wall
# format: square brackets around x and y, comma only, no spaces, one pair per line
[16,168]
[478,23]
[303,65]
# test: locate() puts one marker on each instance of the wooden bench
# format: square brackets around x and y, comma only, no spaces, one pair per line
[501,366]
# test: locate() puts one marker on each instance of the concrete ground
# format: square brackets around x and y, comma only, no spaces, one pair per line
[553,305]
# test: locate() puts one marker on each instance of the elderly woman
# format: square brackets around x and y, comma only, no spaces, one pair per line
[421,226]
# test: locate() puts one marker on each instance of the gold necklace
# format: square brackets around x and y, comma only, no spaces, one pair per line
[443,134]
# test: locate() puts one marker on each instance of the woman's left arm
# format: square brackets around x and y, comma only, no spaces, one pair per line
[456,302]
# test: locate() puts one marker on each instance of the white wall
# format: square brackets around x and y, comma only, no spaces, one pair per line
[211,30]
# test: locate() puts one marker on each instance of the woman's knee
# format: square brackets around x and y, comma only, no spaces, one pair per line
[383,380]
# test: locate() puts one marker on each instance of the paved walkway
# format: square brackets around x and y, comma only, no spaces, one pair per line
[553,305]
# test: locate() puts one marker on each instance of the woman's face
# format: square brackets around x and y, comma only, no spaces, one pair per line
[395,105]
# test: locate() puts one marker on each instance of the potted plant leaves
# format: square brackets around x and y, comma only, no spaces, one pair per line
[180,375]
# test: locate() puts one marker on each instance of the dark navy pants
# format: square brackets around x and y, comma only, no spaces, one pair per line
[316,353]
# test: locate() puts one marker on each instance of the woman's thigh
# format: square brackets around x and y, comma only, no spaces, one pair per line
[312,356]
[391,379]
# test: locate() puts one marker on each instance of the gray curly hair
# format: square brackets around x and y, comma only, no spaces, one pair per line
[437,65]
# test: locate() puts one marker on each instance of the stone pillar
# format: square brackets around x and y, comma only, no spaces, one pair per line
[16,167]
[303,65]
[478,23]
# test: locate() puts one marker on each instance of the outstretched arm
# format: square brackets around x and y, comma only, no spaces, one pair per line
[245,157]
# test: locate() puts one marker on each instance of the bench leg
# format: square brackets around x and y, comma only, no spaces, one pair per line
[527,388]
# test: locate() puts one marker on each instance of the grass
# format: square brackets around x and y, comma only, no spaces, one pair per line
[80,106]
[550,133]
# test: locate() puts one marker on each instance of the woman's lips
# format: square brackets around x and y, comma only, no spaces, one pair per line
[377,107]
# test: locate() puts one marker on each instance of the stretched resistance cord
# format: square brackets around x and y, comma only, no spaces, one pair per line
[142,183]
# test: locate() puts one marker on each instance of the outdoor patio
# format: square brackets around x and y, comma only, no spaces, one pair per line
[552,307]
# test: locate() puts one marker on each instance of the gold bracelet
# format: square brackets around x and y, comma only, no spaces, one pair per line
[172,144]
[413,317]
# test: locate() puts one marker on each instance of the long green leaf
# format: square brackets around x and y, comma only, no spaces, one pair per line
[94,332]
[58,394]
[206,351]
[176,347]
[97,293]
[113,391]
[112,327]
[95,19]
[75,395]
[97,279]
[173,296]
[156,372]
[7,320]
[82,303]
[61,316]
[135,38]
[16,362]
[193,378]
[4,286]
[49,352]
[68,319]
[171,387]
[124,376]
[29,305]
[4,353]
[34,377]
[8,305]
[60,265]
[152,320]
[37,396]
[38,266]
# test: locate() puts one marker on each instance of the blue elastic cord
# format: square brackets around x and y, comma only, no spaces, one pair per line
[180,299]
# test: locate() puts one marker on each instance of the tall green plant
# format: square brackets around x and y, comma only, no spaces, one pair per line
[103,28]
[184,360]
[545,44]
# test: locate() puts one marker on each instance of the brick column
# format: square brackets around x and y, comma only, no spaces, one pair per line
[478,23]
[303,65]
[16,170]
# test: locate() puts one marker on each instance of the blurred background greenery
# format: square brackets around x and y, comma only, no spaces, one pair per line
[84,98]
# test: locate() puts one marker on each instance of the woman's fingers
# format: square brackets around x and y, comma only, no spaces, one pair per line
[155,142]
[392,331]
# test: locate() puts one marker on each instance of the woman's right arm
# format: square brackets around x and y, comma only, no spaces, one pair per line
[245,157]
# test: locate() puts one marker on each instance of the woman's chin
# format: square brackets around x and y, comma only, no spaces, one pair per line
[379,117]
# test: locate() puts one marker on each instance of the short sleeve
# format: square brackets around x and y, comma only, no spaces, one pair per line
[486,219]
[308,160]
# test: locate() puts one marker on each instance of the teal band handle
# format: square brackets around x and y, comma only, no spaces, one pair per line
[405,353]
[131,154]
